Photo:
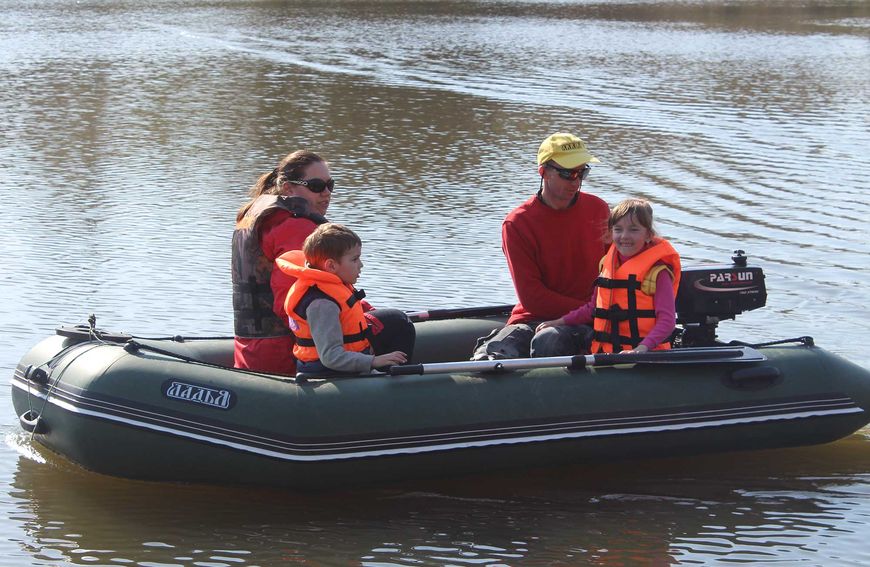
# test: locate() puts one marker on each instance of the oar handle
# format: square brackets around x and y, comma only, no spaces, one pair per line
[437,314]
[674,355]
[406,370]
[693,355]
[489,366]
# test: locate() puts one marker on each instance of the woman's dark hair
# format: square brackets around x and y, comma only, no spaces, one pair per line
[291,167]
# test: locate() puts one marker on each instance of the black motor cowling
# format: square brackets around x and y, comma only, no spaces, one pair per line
[709,294]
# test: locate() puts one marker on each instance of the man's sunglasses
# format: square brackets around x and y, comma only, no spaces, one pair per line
[571,174]
[315,185]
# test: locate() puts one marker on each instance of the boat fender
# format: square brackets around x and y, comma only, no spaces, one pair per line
[36,374]
[756,378]
[32,422]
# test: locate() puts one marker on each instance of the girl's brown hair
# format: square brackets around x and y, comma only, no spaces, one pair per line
[640,209]
[291,167]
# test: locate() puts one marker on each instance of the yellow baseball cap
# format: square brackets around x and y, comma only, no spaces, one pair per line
[567,150]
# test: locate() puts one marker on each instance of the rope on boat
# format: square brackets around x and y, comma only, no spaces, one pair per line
[132,346]
[30,373]
[180,338]
[108,337]
[43,372]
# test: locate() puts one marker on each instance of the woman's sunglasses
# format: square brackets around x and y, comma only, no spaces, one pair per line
[571,174]
[315,185]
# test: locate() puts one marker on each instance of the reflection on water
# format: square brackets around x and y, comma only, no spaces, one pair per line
[130,131]
[784,504]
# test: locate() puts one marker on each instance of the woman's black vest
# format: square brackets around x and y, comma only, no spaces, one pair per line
[251,270]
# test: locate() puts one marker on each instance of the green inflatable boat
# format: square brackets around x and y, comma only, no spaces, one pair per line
[172,409]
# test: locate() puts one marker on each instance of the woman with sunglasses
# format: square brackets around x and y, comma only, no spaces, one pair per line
[286,206]
[553,243]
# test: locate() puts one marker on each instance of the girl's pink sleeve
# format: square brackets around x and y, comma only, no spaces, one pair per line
[583,314]
[666,312]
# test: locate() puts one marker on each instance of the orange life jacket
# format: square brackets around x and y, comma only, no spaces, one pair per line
[354,326]
[624,314]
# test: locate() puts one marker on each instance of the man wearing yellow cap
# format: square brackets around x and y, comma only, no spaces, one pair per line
[553,244]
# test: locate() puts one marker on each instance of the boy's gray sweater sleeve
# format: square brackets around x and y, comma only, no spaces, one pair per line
[322,316]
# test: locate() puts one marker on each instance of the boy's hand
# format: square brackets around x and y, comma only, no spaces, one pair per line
[389,359]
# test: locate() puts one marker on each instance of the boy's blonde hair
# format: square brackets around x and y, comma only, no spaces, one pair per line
[640,209]
[329,241]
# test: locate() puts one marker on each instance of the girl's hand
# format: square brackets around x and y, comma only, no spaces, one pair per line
[636,350]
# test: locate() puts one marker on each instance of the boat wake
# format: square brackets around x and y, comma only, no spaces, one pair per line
[418,494]
[19,442]
[652,498]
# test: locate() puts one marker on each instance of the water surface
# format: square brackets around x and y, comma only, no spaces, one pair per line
[130,131]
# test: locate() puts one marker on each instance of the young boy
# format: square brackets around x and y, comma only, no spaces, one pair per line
[336,331]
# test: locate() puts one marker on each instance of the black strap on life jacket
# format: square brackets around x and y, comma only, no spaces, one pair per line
[357,295]
[616,314]
[253,299]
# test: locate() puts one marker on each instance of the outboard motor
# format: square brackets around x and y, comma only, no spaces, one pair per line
[710,294]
